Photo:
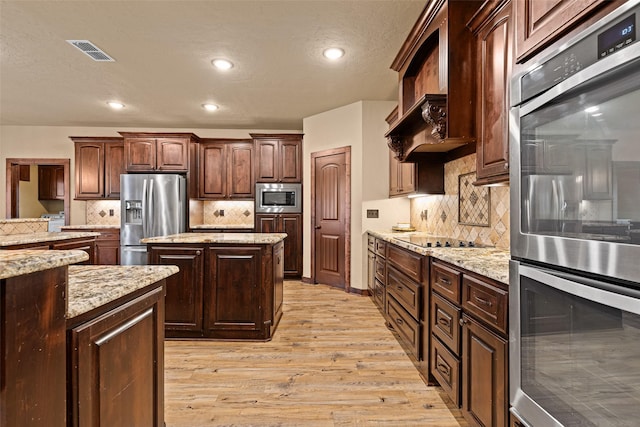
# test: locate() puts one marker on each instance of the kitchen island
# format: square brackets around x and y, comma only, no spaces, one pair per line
[64,332]
[66,240]
[230,285]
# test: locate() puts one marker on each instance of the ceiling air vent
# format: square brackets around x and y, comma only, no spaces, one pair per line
[91,50]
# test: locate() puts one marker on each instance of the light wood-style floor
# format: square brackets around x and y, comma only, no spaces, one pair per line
[332,362]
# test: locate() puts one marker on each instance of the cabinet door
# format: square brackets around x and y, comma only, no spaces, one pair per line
[538,23]
[267,160]
[58,179]
[172,154]
[292,225]
[113,168]
[87,245]
[394,176]
[212,176]
[484,375]
[240,176]
[183,302]
[494,47]
[371,272]
[140,154]
[117,366]
[108,248]
[50,182]
[233,296]
[407,174]
[266,223]
[290,153]
[598,179]
[278,282]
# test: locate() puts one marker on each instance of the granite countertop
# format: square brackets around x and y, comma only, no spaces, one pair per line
[40,237]
[92,286]
[91,227]
[24,261]
[238,238]
[19,220]
[489,262]
[223,226]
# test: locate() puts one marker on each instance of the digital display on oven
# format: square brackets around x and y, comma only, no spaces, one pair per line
[617,36]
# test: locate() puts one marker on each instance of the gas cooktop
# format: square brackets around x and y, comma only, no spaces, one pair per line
[439,242]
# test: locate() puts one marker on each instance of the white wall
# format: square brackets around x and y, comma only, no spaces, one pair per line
[361,126]
[53,142]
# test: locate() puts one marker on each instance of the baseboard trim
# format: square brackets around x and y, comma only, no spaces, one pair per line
[307,280]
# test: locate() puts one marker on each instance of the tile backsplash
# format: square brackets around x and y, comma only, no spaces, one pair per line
[25,225]
[222,212]
[438,214]
[98,212]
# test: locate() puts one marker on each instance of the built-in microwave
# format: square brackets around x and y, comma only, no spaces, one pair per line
[282,198]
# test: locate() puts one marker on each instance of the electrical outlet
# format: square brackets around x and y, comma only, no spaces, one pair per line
[111,213]
[372,213]
[221,212]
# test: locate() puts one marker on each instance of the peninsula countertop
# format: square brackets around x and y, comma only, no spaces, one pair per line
[40,237]
[92,286]
[25,261]
[90,227]
[489,262]
[227,238]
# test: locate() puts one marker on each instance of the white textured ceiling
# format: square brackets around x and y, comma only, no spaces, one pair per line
[163,52]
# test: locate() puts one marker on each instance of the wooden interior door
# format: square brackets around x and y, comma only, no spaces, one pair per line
[330,218]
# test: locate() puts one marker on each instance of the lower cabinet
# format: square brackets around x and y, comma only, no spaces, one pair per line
[87,244]
[107,248]
[292,225]
[108,389]
[222,292]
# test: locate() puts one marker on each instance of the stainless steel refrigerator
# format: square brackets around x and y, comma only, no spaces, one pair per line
[152,205]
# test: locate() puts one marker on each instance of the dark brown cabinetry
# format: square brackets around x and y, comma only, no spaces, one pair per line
[426,176]
[87,245]
[222,291]
[278,157]
[401,177]
[50,182]
[380,285]
[107,251]
[539,23]
[226,169]
[99,162]
[107,388]
[292,225]
[493,31]
[468,342]
[146,152]
[33,359]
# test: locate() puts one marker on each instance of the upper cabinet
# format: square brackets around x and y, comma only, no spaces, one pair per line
[278,157]
[148,152]
[99,161]
[492,27]
[539,23]
[226,169]
[50,182]
[436,108]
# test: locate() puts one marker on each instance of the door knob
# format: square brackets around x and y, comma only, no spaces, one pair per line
[318,227]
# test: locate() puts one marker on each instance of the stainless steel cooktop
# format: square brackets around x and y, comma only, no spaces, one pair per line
[439,242]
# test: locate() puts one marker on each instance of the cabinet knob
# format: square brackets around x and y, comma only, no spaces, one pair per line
[198,252]
[463,322]
[506,165]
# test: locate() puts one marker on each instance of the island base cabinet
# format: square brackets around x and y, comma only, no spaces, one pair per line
[484,379]
[117,366]
[32,340]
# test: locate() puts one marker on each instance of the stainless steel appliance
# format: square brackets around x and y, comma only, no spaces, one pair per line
[438,242]
[282,198]
[152,205]
[575,211]
[56,221]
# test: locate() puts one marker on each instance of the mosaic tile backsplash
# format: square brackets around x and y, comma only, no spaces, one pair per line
[22,226]
[438,215]
[98,212]
[222,212]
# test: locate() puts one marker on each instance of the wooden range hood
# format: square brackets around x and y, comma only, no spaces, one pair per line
[436,108]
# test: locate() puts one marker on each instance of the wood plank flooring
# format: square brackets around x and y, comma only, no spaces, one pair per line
[332,362]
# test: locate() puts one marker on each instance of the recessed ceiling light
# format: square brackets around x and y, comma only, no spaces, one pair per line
[333,53]
[591,109]
[115,105]
[222,64]
[210,107]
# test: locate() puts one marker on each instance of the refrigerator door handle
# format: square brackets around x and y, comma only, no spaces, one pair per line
[151,214]
[145,207]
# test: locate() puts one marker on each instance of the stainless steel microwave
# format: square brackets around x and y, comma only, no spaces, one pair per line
[281,198]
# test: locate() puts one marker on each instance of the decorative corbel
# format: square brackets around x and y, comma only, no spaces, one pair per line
[434,113]
[396,145]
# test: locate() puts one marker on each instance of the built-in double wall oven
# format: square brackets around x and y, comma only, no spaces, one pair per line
[575,243]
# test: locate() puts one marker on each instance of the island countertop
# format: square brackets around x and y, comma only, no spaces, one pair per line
[489,262]
[90,227]
[93,286]
[40,237]
[25,261]
[222,227]
[228,238]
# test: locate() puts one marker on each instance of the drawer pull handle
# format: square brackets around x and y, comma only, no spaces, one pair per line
[483,301]
[443,369]
[399,287]
[444,321]
[463,322]
[399,321]
[445,281]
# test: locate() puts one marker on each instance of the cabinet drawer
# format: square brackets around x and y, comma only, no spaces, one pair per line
[406,326]
[371,243]
[404,290]
[380,269]
[379,294]
[486,302]
[445,322]
[406,261]
[446,281]
[381,248]
[445,367]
